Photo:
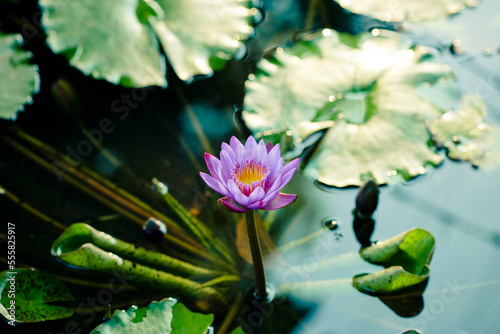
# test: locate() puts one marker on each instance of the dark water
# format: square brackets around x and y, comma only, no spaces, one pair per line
[456,203]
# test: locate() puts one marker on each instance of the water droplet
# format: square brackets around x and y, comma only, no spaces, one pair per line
[455,139]
[330,223]
[251,76]
[326,32]
[258,14]
[159,186]
[279,50]
[375,32]
[331,98]
[487,52]
[2,191]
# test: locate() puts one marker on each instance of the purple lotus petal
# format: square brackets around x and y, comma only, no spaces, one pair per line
[229,150]
[234,143]
[256,195]
[227,164]
[211,164]
[269,147]
[236,194]
[229,204]
[250,175]
[291,165]
[280,201]
[214,184]
[270,196]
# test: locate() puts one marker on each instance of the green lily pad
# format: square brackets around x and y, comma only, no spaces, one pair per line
[409,10]
[411,249]
[105,39]
[118,40]
[32,292]
[389,281]
[201,36]
[371,94]
[19,79]
[465,135]
[165,316]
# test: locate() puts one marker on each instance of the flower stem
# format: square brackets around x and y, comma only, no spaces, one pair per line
[258,263]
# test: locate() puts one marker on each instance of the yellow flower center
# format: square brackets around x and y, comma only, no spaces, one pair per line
[250,172]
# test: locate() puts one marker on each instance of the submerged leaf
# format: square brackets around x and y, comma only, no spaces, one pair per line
[165,316]
[465,135]
[389,281]
[18,78]
[411,249]
[365,90]
[30,293]
[401,10]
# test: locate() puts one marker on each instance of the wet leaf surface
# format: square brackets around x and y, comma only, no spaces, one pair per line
[19,80]
[166,316]
[32,293]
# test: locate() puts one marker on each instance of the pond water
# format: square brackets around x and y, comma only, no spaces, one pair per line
[455,202]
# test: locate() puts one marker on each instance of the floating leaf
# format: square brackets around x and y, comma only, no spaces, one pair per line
[368,91]
[105,39]
[83,247]
[200,35]
[411,249]
[465,135]
[165,316]
[401,10]
[32,292]
[18,78]
[389,281]
[118,40]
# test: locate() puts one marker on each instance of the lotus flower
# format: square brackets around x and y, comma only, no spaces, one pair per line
[250,176]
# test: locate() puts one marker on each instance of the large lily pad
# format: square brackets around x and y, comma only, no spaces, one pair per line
[411,249]
[165,316]
[19,79]
[117,40]
[401,10]
[373,94]
[465,135]
[199,36]
[389,281]
[31,293]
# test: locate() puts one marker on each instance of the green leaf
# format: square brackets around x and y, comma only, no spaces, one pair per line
[238,330]
[32,292]
[19,80]
[372,97]
[411,249]
[465,135]
[105,39]
[165,316]
[200,36]
[410,10]
[84,247]
[389,281]
[118,40]
[187,322]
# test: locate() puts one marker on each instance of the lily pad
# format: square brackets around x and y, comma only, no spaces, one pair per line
[165,316]
[465,135]
[368,93]
[191,48]
[389,281]
[118,40]
[105,39]
[411,249]
[30,293]
[409,10]
[19,79]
